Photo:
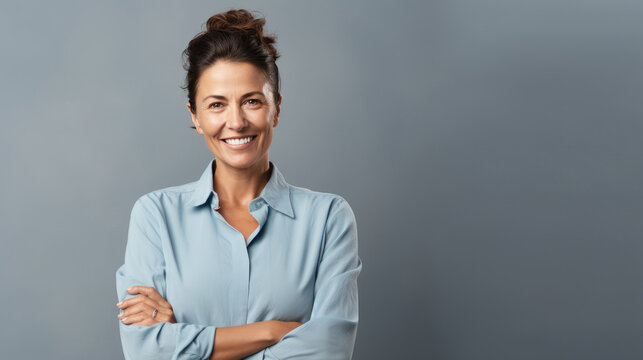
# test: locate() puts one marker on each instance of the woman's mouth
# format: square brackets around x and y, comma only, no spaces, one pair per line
[239,143]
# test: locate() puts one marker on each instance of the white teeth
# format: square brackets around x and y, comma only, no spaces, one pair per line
[238,141]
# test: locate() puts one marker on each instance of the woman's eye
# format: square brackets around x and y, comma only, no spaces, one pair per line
[216,105]
[254,102]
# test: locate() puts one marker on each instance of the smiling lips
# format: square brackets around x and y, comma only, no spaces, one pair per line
[239,143]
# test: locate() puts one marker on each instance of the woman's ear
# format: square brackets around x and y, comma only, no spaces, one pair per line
[195,121]
[277,111]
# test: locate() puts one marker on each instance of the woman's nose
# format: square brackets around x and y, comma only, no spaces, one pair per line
[236,118]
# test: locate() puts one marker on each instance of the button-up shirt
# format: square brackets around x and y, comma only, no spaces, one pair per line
[300,264]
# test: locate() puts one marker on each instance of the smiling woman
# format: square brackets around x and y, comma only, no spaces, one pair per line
[239,263]
[234,112]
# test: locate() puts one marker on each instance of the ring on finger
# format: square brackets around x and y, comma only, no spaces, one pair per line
[154,313]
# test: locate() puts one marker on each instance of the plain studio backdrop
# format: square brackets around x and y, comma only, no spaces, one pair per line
[491,151]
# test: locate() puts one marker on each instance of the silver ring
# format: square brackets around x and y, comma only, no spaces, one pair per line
[154,313]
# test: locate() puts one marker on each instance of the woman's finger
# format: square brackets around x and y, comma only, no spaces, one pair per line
[131,301]
[149,291]
[136,300]
[135,309]
[140,312]
[135,318]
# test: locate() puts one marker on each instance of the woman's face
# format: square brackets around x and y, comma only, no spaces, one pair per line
[234,101]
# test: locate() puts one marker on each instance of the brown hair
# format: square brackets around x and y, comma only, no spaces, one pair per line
[234,35]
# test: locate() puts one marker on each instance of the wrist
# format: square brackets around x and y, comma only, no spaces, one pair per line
[270,333]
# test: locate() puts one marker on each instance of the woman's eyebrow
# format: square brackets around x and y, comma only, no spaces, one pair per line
[221,97]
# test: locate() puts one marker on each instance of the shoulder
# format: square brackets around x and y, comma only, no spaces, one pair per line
[171,198]
[306,195]
[321,203]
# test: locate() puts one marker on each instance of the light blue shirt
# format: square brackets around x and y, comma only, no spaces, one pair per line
[300,264]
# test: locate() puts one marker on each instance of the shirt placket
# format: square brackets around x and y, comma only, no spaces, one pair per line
[241,266]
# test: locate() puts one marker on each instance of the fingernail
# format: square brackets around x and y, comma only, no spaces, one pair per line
[123,319]
[119,304]
[129,288]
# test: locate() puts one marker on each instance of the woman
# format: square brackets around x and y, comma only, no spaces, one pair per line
[231,265]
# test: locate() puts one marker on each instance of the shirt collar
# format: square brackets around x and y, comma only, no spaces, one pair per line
[276,192]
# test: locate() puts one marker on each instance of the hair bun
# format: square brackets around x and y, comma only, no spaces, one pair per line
[242,21]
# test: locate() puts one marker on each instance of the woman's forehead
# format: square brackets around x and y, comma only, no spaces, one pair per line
[225,73]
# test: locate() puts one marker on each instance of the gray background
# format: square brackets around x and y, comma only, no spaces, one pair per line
[491,151]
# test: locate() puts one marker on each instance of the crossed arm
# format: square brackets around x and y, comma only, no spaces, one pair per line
[329,334]
[230,343]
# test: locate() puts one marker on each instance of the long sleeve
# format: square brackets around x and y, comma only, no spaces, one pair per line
[145,265]
[331,331]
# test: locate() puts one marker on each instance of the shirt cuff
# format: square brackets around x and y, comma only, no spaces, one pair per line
[201,345]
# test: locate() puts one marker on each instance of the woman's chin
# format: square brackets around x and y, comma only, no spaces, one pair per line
[238,162]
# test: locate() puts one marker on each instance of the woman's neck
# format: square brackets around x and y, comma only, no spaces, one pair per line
[237,187]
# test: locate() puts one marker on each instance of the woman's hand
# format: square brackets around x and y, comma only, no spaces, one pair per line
[140,310]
